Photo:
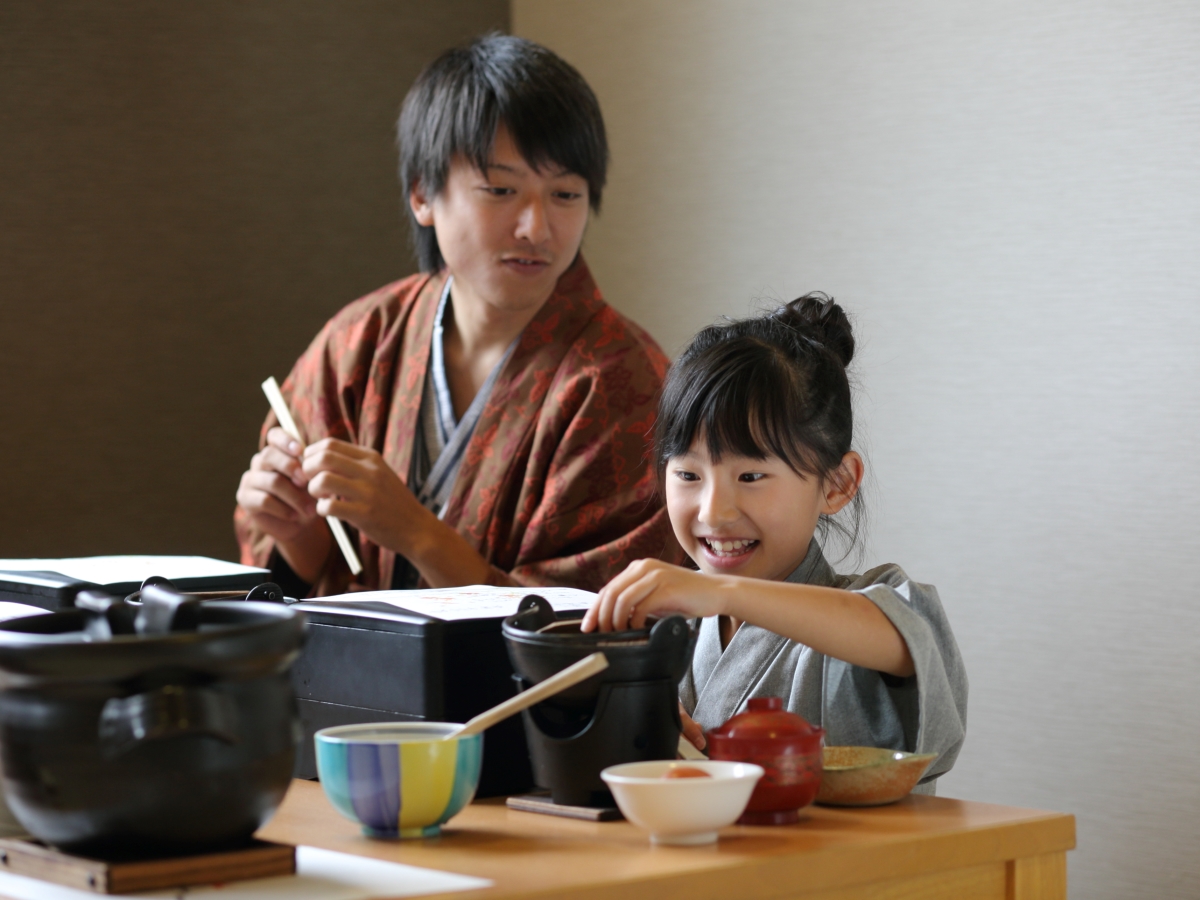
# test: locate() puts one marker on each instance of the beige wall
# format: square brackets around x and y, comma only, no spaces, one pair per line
[1007,195]
[190,190]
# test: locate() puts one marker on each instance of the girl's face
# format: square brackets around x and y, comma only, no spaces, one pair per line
[751,517]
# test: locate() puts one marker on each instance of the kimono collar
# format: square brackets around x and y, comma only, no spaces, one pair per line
[515,403]
[813,569]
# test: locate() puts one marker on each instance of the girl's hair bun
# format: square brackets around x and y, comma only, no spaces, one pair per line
[819,320]
[770,385]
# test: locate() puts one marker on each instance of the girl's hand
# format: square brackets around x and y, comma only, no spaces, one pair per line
[691,729]
[650,587]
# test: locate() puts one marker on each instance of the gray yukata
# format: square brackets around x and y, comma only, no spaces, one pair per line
[925,713]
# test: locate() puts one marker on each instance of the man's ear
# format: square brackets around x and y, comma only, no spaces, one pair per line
[842,484]
[421,205]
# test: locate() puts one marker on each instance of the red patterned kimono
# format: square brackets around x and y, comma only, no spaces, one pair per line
[555,487]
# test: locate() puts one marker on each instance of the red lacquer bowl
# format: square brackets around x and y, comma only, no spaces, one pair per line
[788,749]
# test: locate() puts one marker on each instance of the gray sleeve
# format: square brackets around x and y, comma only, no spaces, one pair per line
[926,713]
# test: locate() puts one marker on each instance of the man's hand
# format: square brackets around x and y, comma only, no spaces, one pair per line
[651,587]
[274,492]
[356,485]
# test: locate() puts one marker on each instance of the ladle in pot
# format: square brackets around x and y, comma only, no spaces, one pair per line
[568,677]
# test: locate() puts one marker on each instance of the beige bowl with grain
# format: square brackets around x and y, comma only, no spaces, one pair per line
[869,776]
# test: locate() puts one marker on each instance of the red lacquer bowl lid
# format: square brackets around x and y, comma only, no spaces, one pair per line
[766,719]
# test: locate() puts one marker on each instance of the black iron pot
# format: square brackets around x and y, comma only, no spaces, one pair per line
[540,644]
[136,729]
[627,713]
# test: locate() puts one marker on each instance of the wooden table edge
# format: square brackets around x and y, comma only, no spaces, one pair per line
[1028,849]
[838,871]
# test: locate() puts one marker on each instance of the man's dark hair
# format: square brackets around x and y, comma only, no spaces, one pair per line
[464,95]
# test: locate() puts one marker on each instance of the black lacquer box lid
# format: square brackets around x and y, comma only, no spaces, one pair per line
[53,583]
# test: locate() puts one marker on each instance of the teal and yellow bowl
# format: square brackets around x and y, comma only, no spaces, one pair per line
[398,779]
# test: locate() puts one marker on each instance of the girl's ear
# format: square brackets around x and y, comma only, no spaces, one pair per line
[842,484]
[422,206]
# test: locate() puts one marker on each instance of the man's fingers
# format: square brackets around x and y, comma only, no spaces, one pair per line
[272,507]
[275,489]
[272,459]
[331,447]
[332,460]
[332,485]
[274,525]
[341,508]
[260,503]
[284,442]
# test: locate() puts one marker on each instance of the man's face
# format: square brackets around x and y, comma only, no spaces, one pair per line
[507,233]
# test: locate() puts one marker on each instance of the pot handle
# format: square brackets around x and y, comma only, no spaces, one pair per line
[670,632]
[165,609]
[170,711]
[671,639]
[534,612]
[106,615]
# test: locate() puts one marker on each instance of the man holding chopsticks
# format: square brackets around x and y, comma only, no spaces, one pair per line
[484,421]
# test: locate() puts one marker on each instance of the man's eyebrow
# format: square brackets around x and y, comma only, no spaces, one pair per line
[502,167]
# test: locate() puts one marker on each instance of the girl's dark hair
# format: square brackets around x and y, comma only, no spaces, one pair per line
[773,385]
[461,98]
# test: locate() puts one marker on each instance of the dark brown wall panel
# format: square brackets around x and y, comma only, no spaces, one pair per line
[189,190]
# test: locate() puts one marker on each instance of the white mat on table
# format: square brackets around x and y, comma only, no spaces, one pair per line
[124,569]
[320,875]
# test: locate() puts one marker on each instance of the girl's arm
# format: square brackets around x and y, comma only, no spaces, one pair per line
[841,624]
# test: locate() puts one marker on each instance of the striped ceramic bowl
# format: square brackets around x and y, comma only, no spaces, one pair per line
[398,779]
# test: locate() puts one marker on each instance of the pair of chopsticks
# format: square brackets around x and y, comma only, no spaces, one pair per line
[287,423]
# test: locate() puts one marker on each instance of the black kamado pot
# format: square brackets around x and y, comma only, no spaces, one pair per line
[134,729]
[627,713]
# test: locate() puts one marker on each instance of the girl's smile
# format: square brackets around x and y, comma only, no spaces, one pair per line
[727,554]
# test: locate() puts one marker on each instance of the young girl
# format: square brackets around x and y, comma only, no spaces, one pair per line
[753,450]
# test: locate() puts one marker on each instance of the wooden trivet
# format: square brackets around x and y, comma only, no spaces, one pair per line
[541,803]
[33,859]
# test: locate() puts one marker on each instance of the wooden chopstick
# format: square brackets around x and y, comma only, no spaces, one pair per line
[287,423]
[571,675]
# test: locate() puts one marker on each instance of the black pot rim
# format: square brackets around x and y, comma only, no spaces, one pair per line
[268,635]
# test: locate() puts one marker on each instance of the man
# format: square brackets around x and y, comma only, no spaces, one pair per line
[486,420]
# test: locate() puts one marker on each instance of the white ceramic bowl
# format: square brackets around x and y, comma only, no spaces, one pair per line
[682,810]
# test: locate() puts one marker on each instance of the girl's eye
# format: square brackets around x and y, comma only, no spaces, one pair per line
[751,476]
[685,475]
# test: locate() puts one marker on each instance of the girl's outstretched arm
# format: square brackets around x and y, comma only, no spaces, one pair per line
[841,624]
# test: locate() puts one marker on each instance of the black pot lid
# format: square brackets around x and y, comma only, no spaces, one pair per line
[223,638]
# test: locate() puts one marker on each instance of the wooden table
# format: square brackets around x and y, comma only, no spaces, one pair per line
[923,847]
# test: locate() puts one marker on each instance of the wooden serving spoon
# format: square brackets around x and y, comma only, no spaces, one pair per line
[571,675]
